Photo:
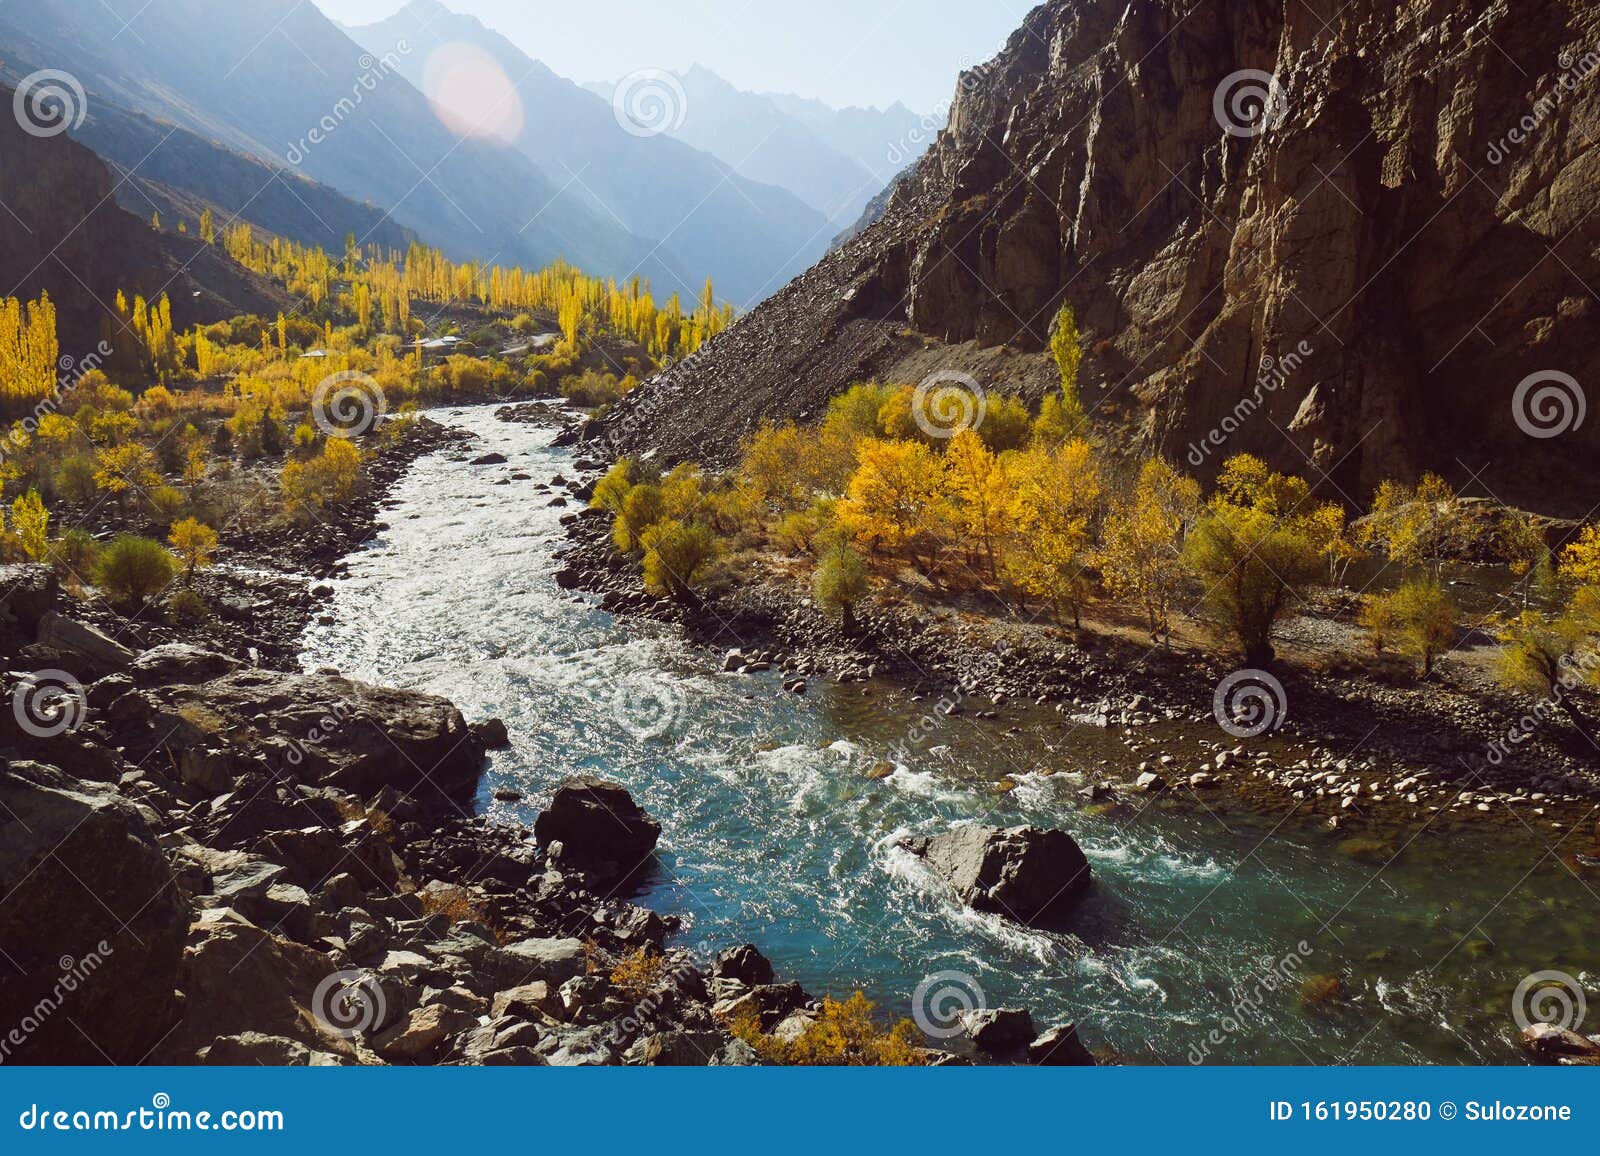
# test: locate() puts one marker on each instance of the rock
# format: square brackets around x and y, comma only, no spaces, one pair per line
[1553,1043]
[255,1050]
[597,822]
[554,961]
[744,965]
[72,637]
[1000,1030]
[680,1049]
[492,734]
[212,771]
[178,662]
[489,460]
[239,978]
[734,661]
[27,593]
[1059,1048]
[1150,783]
[595,1046]
[532,1001]
[327,729]
[507,795]
[419,1034]
[1031,875]
[87,898]
[244,877]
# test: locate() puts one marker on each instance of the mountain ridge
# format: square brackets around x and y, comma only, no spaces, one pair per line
[1087,164]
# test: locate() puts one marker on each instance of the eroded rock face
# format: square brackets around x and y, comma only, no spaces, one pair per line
[1386,220]
[91,922]
[1025,873]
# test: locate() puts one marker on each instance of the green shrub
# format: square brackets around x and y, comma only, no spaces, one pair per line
[132,569]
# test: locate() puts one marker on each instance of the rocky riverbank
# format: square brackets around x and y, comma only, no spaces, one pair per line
[1352,752]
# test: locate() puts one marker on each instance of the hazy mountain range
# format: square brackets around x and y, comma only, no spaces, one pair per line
[273,112]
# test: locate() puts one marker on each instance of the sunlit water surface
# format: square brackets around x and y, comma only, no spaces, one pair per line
[774,834]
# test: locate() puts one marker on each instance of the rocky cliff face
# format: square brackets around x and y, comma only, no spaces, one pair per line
[1373,220]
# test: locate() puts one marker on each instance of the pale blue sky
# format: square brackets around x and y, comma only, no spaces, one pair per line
[840,51]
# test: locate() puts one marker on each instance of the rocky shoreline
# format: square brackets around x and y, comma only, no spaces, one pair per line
[1352,752]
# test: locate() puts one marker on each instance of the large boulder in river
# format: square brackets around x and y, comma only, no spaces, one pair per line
[91,922]
[1028,874]
[328,730]
[597,822]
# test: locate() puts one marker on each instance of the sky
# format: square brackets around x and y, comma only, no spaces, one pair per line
[844,52]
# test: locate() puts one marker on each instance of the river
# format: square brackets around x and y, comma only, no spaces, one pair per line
[1211,934]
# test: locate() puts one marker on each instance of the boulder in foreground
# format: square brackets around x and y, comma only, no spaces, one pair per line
[1028,874]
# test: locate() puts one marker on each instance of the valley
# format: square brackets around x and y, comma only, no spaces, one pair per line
[501,569]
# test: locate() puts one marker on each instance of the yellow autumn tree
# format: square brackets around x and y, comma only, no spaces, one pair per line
[194,543]
[1142,547]
[895,502]
[1059,492]
[981,496]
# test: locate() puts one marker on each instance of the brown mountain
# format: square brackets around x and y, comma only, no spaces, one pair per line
[62,232]
[1413,200]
